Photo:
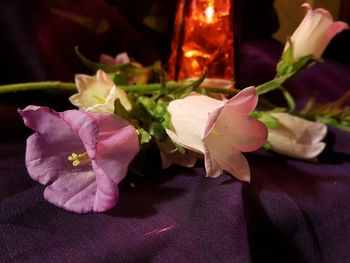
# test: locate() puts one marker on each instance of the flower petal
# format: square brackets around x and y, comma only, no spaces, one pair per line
[118,144]
[232,161]
[189,117]
[232,127]
[50,146]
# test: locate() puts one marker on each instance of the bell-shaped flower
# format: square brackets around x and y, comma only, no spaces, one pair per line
[314,33]
[296,137]
[81,156]
[219,130]
[98,93]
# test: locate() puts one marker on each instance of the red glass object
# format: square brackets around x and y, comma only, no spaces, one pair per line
[203,39]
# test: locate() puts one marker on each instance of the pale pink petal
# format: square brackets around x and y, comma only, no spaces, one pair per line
[232,127]
[232,161]
[212,167]
[336,28]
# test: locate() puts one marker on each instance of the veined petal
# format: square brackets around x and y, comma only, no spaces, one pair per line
[50,146]
[232,127]
[118,144]
[231,161]
[108,142]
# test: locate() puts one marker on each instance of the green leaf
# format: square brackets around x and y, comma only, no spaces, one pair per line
[119,79]
[199,81]
[163,90]
[289,98]
[156,130]
[144,136]
[120,110]
[184,93]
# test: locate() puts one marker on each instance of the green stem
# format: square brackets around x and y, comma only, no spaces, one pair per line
[66,86]
[38,86]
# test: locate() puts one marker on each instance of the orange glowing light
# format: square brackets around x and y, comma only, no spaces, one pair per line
[209,14]
[203,40]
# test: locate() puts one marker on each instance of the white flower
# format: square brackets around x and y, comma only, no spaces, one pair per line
[98,93]
[219,130]
[314,33]
[296,137]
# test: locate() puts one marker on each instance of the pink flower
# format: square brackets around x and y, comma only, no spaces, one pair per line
[82,156]
[219,130]
[314,33]
[121,58]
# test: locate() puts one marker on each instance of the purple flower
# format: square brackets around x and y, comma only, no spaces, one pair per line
[81,155]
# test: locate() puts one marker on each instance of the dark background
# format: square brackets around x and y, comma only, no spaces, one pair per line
[37,40]
[38,36]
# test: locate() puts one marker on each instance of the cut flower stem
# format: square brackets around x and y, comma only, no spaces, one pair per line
[67,86]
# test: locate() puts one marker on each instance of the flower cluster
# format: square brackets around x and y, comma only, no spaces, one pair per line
[83,154]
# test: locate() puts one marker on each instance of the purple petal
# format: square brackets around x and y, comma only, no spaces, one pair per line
[50,146]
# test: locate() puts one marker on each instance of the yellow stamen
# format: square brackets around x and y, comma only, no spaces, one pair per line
[77,158]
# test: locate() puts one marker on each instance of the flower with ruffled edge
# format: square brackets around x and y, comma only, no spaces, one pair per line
[81,156]
[219,130]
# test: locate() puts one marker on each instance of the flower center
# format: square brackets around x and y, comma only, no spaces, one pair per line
[77,158]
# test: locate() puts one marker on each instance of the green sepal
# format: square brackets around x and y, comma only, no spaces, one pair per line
[144,136]
[157,131]
[267,146]
[181,149]
[283,66]
[266,118]
[287,65]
